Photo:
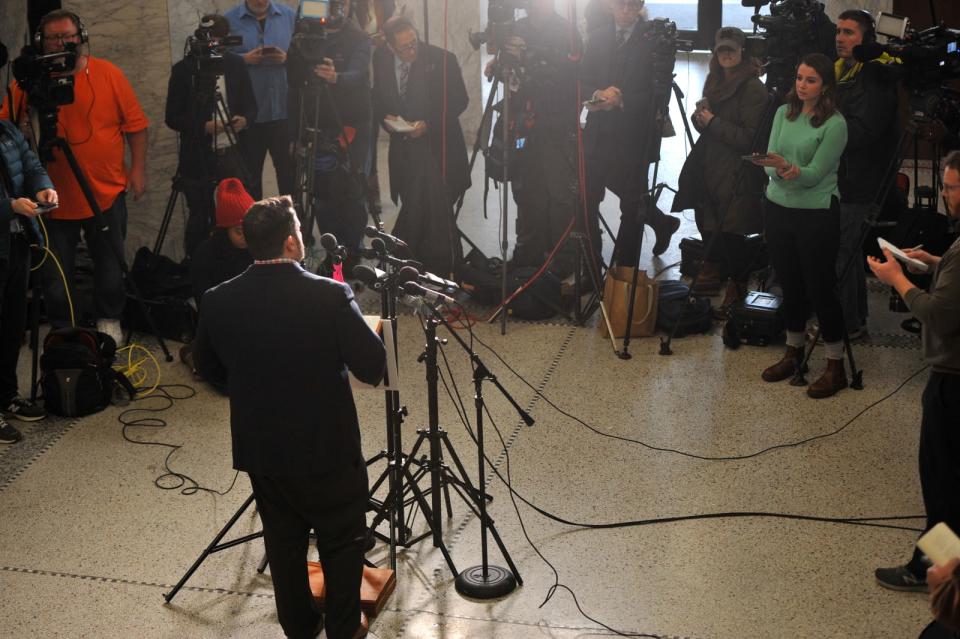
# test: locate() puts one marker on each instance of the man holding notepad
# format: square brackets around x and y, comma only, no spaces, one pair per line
[939,311]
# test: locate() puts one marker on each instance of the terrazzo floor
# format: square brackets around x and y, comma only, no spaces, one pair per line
[91,542]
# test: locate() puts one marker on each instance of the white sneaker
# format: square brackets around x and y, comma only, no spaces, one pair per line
[112,328]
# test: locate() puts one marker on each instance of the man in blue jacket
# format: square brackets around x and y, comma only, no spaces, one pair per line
[286,339]
[23,183]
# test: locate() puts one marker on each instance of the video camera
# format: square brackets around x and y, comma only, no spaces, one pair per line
[314,19]
[46,78]
[501,20]
[664,41]
[206,49]
[793,29]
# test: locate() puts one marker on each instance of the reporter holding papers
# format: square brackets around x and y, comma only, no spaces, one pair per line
[802,217]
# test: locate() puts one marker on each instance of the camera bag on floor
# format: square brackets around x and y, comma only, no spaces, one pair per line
[758,321]
[540,299]
[695,313]
[480,276]
[77,376]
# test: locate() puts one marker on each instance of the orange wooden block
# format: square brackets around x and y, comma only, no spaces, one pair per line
[377,586]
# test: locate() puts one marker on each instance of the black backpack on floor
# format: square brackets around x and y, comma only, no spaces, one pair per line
[675,301]
[77,375]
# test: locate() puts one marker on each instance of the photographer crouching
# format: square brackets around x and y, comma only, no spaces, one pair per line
[328,70]
[939,311]
[209,101]
[305,465]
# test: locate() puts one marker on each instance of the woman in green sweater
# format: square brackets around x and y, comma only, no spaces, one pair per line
[802,217]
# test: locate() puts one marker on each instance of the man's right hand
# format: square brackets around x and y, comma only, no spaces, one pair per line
[612,99]
[24,206]
[923,256]
[210,128]
[253,56]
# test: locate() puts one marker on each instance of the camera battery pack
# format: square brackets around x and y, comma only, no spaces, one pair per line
[759,320]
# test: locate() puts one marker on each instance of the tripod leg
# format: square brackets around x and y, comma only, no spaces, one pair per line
[211,548]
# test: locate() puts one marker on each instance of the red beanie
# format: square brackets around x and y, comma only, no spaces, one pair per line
[232,203]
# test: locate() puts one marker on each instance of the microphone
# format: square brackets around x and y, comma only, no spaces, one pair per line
[370,276]
[392,241]
[329,242]
[414,289]
[407,274]
[867,52]
[435,280]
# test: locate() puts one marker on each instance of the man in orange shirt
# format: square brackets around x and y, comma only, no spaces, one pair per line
[103,114]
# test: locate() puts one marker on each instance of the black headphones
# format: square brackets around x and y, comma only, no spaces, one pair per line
[81,29]
[870,35]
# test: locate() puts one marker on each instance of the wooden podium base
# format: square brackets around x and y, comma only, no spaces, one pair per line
[378,584]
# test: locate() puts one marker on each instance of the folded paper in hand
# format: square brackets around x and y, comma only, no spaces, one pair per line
[900,255]
[399,125]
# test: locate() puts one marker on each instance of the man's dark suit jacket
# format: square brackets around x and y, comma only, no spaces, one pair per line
[619,133]
[286,338]
[424,101]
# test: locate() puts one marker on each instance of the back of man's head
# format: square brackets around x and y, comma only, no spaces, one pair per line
[267,225]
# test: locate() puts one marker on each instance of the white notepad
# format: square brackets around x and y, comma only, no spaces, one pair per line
[900,255]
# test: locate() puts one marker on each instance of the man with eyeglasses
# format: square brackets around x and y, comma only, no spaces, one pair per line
[104,118]
[622,134]
[429,170]
[939,311]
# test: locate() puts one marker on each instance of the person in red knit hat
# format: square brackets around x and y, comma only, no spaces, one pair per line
[223,255]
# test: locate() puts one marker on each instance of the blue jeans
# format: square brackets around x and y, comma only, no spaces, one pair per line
[108,290]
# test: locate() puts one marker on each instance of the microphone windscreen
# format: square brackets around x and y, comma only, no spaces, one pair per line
[329,242]
[370,231]
[365,274]
[407,274]
[867,52]
[411,288]
[379,246]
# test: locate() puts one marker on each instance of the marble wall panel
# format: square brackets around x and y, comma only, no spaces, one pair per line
[13,25]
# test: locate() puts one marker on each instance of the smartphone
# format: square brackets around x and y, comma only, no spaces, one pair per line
[43,208]
[593,101]
[755,156]
[271,50]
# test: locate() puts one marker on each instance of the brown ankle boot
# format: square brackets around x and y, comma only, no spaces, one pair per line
[833,380]
[786,367]
[708,281]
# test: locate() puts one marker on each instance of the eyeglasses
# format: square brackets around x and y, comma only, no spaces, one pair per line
[407,48]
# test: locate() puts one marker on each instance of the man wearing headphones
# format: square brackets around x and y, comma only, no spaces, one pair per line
[104,113]
[867,98]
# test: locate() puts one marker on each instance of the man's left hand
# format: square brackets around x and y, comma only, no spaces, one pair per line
[419,129]
[326,71]
[47,196]
[238,122]
[137,182]
[887,272]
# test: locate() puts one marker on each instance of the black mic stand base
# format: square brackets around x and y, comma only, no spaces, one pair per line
[485,582]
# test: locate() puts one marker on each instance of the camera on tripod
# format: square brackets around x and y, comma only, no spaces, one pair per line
[501,20]
[314,19]
[46,78]
[664,41]
[206,49]
[927,59]
[786,36]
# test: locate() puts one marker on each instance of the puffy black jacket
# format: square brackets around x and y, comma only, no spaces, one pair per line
[869,105]
[27,176]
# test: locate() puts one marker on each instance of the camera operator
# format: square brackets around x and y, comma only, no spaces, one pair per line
[867,98]
[429,169]
[546,187]
[103,114]
[333,58]
[713,176]
[22,179]
[266,28]
[293,419]
[622,136]
[939,312]
[206,153]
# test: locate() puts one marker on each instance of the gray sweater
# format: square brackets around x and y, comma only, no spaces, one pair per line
[939,311]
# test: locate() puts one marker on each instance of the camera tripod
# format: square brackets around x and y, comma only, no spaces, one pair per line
[49,140]
[207,93]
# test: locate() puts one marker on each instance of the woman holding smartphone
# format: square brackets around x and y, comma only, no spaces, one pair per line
[802,217]
[724,192]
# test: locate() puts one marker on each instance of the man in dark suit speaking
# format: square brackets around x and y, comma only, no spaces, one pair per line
[285,339]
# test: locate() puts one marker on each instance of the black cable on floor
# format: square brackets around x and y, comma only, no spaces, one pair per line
[663,449]
[186,484]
